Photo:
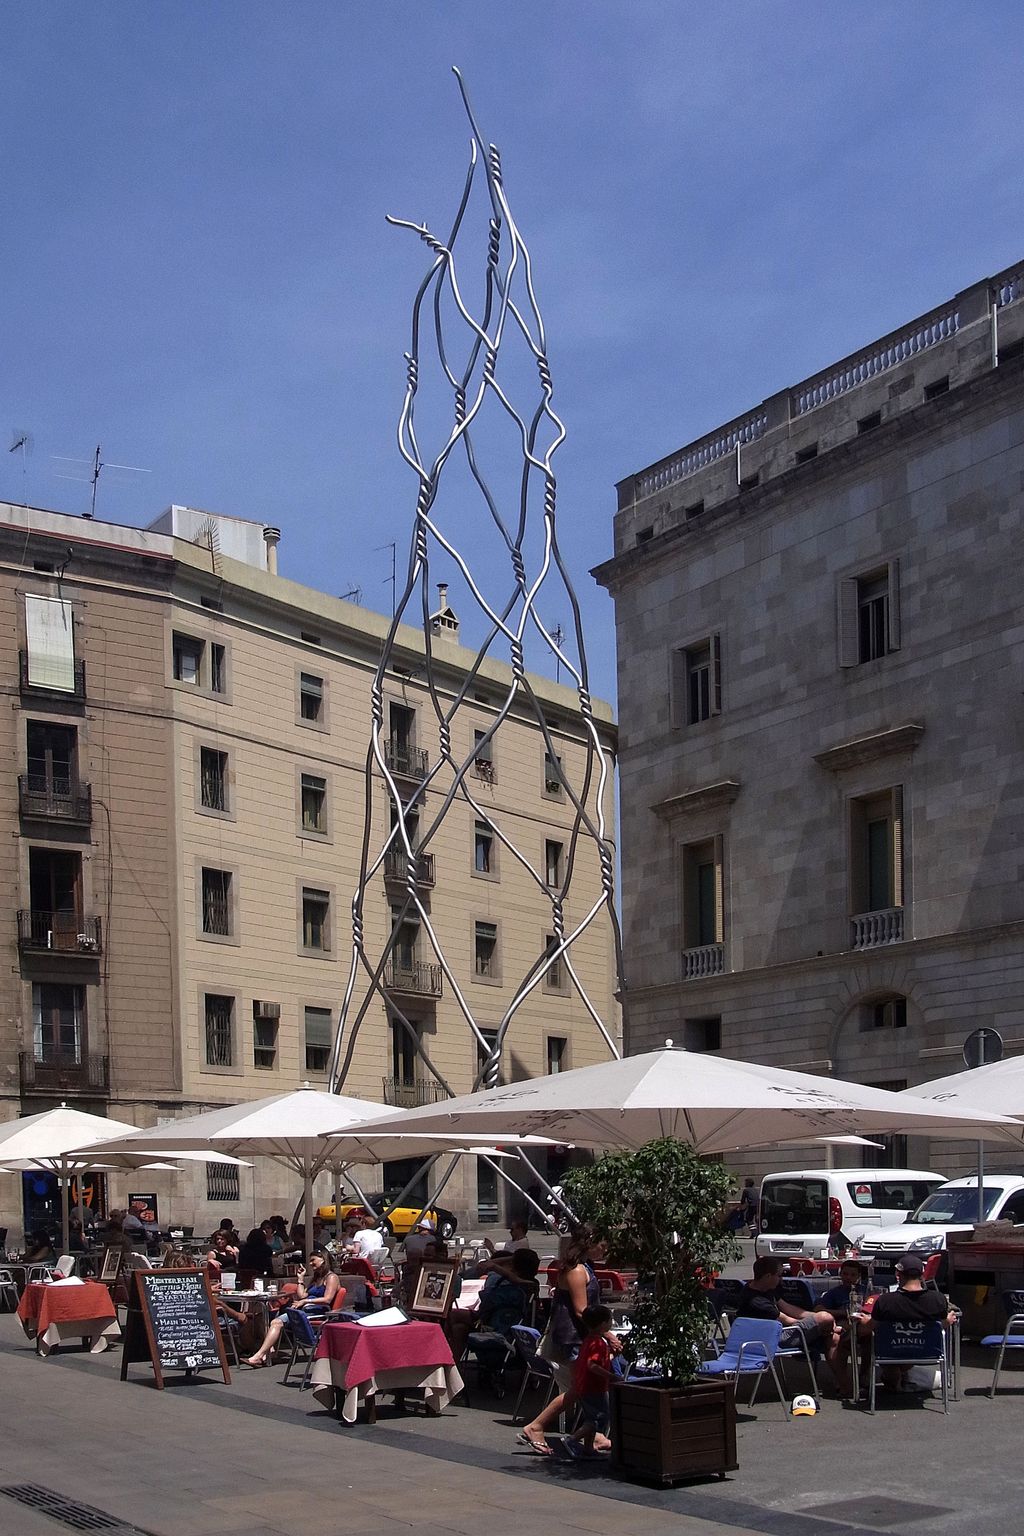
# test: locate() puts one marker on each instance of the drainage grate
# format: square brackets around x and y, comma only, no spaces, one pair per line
[80,1517]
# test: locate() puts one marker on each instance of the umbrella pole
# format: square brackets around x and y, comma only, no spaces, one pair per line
[981,1181]
[438,1187]
[65,1214]
[545,1185]
[544,1215]
[337,1202]
[308,1213]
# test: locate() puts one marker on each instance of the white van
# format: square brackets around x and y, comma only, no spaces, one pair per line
[812,1213]
[952,1208]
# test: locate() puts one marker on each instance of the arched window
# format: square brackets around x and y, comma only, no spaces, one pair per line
[889,1012]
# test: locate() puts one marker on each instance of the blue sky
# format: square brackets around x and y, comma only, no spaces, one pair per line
[719,199]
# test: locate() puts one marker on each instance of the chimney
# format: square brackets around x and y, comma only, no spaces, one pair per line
[444,622]
[442,596]
[272,537]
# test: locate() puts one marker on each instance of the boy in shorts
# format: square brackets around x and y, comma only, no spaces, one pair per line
[592,1371]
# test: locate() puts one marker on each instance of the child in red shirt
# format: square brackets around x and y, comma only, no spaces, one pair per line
[592,1371]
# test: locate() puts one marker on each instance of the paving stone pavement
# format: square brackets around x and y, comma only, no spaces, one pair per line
[206,1459]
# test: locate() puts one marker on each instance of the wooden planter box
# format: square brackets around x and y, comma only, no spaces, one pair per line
[664,1433]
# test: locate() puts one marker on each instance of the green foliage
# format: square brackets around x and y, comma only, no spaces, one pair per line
[660,1211]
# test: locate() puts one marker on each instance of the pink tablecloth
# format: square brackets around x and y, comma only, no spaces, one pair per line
[51,1313]
[359,1362]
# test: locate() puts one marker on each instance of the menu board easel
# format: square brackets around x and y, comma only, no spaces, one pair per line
[172,1324]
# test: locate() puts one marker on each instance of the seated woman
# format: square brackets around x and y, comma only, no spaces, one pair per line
[324,1293]
[504,1302]
[39,1249]
[220,1255]
[256,1254]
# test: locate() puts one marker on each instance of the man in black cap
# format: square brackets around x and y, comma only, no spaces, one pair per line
[909,1303]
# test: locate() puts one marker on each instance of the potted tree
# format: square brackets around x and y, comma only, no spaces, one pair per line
[660,1210]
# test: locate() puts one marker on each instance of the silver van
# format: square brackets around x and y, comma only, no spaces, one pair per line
[814,1212]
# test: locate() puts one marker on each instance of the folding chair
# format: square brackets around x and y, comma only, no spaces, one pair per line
[909,1344]
[65,1266]
[1013,1301]
[799,1349]
[302,1336]
[750,1350]
[229,1332]
[537,1372]
[8,1290]
[719,1320]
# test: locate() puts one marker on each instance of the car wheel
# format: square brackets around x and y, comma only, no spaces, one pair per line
[448,1225]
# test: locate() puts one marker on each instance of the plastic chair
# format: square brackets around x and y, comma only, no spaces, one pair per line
[229,1332]
[799,1349]
[302,1336]
[798,1292]
[750,1350]
[719,1319]
[1013,1301]
[909,1344]
[65,1266]
[8,1290]
[537,1372]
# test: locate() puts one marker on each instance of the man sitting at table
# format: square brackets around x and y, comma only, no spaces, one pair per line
[517,1239]
[365,1240]
[852,1277]
[762,1298]
[908,1303]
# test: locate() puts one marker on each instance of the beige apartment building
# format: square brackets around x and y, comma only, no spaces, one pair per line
[821,665]
[183,782]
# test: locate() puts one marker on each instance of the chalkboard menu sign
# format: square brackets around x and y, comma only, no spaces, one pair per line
[172,1323]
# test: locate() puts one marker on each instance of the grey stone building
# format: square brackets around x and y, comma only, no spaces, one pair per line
[821,684]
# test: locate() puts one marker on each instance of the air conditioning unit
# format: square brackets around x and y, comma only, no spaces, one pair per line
[266,1010]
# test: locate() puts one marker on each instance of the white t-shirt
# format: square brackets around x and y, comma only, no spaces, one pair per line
[366,1242]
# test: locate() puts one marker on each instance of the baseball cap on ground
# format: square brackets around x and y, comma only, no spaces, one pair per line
[804,1406]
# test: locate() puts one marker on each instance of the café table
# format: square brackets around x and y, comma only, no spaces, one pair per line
[353,1363]
[53,1313]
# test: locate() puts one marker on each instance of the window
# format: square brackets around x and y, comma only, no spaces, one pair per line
[483,1053]
[869,615]
[557,1054]
[555,975]
[319,1032]
[703,896]
[265,1021]
[220,1030]
[50,644]
[702,1034]
[311,697]
[936,388]
[884,1013]
[58,1023]
[187,659]
[55,898]
[870,422]
[552,774]
[404,1053]
[223,1182]
[217,902]
[52,752]
[554,860]
[313,790]
[218,669]
[213,779]
[893,1151]
[876,851]
[407,939]
[484,853]
[316,920]
[485,951]
[697,681]
[483,756]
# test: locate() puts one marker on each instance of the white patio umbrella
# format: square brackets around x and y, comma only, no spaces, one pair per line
[715,1104]
[286,1128]
[999,1088]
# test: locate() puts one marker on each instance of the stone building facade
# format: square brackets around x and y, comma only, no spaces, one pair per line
[183,791]
[821,664]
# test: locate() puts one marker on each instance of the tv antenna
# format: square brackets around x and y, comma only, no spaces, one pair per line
[392,546]
[21,442]
[558,636]
[353,595]
[94,466]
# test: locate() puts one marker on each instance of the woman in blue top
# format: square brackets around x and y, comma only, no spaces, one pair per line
[323,1294]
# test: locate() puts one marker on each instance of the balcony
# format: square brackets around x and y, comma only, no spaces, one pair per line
[59,933]
[406,761]
[419,979]
[411,1095]
[63,1072]
[869,930]
[705,960]
[396,868]
[36,690]
[62,800]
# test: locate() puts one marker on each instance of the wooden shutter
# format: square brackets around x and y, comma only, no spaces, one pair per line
[719,888]
[892,611]
[716,674]
[848,622]
[897,847]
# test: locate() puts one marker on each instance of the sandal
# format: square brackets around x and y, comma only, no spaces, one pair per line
[538,1447]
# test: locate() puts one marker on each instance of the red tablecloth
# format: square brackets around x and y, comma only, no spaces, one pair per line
[357,1362]
[51,1313]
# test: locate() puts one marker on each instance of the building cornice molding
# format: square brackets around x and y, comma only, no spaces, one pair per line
[708,797]
[865,749]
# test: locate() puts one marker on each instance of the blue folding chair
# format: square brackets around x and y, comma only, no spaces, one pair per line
[798,1349]
[750,1350]
[303,1337]
[536,1371]
[1013,1301]
[907,1343]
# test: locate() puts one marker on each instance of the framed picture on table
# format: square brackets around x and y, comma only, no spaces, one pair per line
[435,1290]
[110,1266]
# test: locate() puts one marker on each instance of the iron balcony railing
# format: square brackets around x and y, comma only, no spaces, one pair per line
[704,960]
[405,1095]
[420,977]
[57,799]
[868,930]
[76,691]
[407,761]
[63,1072]
[396,867]
[66,933]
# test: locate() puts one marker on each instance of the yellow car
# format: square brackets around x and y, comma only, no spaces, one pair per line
[400,1221]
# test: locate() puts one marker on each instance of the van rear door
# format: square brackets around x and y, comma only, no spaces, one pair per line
[795,1206]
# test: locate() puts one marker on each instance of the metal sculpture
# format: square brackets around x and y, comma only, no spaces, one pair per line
[509,317]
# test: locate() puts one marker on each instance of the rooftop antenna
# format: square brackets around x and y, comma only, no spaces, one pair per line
[557,637]
[94,467]
[392,546]
[353,595]
[21,442]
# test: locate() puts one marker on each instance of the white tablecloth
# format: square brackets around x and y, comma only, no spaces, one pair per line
[100,1332]
[328,1377]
